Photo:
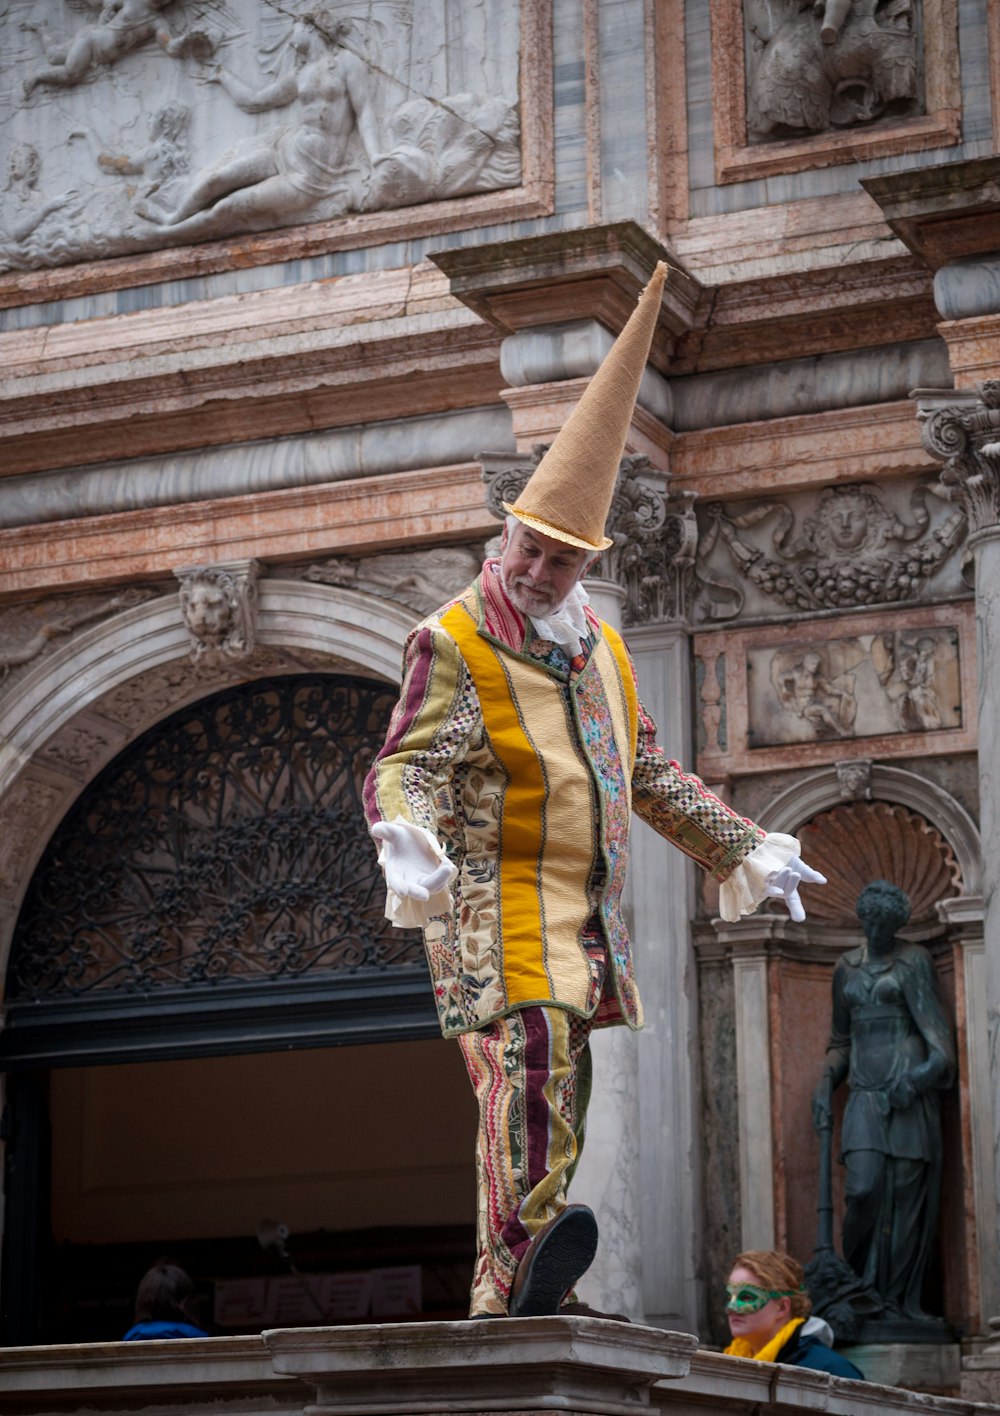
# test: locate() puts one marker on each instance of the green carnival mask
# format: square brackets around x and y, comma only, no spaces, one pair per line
[748,1298]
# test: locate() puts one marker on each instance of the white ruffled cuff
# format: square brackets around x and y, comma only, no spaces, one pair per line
[747,886]
[401,911]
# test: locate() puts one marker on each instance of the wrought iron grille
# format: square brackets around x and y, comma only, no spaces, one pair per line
[226,844]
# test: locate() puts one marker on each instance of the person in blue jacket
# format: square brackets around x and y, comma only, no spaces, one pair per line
[769,1316]
[165,1306]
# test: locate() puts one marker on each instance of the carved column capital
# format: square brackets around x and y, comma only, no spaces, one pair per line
[965,436]
[655,535]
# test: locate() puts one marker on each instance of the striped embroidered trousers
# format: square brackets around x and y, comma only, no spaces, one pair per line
[532,1075]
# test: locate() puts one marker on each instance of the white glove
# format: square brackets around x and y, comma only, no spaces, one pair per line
[784,885]
[408,861]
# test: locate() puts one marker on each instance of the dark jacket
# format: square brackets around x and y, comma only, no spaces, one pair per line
[807,1350]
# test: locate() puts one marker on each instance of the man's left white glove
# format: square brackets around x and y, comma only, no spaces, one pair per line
[784,885]
[417,873]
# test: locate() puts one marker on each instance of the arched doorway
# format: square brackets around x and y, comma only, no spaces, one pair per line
[212,899]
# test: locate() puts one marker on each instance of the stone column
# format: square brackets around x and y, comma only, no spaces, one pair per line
[662,910]
[608,1176]
[644,1159]
[963,431]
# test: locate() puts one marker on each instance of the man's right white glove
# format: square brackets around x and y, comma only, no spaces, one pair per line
[417,873]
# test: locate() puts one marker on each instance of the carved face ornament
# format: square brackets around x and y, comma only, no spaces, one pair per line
[208,613]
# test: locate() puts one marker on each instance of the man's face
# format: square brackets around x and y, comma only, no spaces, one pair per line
[538,571]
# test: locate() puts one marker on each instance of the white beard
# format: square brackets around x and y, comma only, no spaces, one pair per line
[566,625]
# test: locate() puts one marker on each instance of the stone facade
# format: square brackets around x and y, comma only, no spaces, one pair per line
[291,294]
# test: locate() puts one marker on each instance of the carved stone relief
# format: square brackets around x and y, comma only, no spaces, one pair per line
[28,805]
[150,696]
[966,437]
[30,631]
[811,67]
[906,681]
[134,124]
[219,605]
[82,746]
[855,778]
[710,686]
[852,546]
[838,690]
[876,840]
[421,580]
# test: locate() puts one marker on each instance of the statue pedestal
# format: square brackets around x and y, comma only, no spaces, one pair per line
[919,1366]
[981,1369]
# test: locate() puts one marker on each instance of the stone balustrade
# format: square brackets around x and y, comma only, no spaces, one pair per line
[573,1365]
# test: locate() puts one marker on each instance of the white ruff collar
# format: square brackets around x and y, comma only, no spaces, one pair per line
[567,625]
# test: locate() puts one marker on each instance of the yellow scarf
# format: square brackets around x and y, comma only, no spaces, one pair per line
[739,1347]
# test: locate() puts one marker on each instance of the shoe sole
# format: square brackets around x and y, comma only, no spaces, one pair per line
[564,1256]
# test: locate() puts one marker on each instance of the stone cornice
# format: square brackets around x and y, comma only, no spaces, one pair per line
[594,272]
[796,314]
[943,213]
[102,391]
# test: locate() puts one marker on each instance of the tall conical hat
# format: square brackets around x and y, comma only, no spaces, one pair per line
[568,495]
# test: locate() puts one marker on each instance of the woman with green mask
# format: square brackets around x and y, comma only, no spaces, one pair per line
[768,1310]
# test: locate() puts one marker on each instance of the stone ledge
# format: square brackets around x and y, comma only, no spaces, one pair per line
[130,1376]
[523,1364]
[528,1365]
[737,1384]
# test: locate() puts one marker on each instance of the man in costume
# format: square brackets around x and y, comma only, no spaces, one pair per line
[502,800]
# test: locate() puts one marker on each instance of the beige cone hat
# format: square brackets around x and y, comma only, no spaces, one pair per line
[568,495]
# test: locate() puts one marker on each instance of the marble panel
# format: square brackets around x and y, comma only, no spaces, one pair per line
[753,1071]
[624,148]
[333,455]
[781,455]
[155,124]
[776,77]
[671,1115]
[798,386]
[377,513]
[924,1367]
[852,686]
[973,349]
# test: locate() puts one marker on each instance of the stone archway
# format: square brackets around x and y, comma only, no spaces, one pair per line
[84,709]
[83,703]
[825,790]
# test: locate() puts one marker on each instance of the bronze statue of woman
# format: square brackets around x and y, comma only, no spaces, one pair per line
[893,1042]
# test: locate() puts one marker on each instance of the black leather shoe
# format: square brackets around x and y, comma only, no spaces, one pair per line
[560,1253]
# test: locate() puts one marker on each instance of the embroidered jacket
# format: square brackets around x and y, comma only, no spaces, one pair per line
[527,767]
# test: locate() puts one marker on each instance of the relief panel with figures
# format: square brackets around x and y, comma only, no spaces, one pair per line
[858,685]
[132,125]
[799,85]
[854,545]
